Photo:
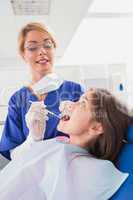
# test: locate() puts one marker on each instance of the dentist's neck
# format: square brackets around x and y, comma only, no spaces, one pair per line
[38,77]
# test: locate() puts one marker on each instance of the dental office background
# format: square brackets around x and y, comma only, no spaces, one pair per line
[95,44]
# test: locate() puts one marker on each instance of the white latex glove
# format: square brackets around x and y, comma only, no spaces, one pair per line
[36,119]
[66,108]
[36,122]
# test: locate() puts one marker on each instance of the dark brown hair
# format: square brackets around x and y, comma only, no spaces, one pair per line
[115,119]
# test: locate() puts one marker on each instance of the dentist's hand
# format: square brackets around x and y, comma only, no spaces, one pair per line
[36,119]
[66,108]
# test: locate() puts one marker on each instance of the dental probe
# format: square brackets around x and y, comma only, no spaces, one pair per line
[58,116]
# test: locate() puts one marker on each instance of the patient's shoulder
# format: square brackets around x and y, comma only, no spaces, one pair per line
[93,164]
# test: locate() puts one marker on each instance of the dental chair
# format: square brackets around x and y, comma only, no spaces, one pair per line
[125,163]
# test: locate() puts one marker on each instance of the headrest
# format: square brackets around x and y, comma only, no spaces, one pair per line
[130,133]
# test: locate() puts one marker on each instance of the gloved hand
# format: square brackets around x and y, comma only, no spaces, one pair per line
[66,108]
[36,119]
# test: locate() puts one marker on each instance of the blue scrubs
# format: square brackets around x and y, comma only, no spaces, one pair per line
[15,130]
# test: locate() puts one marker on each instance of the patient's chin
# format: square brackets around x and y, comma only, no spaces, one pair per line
[61,128]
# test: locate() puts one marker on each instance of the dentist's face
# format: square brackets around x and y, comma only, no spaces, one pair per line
[39,52]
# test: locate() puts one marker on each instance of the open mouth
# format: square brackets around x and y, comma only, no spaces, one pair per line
[65,118]
[66,110]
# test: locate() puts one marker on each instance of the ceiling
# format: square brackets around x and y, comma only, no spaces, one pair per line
[63,16]
[112,6]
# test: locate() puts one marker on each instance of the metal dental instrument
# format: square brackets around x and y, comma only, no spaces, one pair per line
[57,116]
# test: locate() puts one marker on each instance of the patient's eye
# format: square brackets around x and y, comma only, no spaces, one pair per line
[83,103]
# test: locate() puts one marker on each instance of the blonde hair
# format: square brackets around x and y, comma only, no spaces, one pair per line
[33,26]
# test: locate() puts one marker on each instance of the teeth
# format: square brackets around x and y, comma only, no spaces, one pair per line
[42,61]
[65,118]
[65,115]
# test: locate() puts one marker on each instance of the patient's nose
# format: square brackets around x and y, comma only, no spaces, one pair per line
[67,105]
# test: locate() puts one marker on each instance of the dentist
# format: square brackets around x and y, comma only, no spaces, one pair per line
[37,48]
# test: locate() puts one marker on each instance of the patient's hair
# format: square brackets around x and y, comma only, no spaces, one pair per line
[115,119]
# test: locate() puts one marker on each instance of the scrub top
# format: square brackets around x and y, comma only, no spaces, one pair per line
[55,170]
[15,130]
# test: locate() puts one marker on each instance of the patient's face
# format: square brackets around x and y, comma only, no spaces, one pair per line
[80,116]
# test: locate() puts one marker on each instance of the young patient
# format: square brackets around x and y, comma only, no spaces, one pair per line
[78,167]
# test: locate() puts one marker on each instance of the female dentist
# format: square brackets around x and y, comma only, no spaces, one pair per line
[37,48]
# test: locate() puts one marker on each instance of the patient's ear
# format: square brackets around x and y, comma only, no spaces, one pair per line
[96,128]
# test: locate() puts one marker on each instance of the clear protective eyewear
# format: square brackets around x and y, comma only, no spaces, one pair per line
[47,45]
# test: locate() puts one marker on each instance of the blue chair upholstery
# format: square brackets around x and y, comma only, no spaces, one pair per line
[126,190]
[125,164]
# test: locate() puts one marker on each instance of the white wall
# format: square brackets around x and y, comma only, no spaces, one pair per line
[104,40]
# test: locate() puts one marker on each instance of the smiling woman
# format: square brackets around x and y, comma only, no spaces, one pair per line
[37,47]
